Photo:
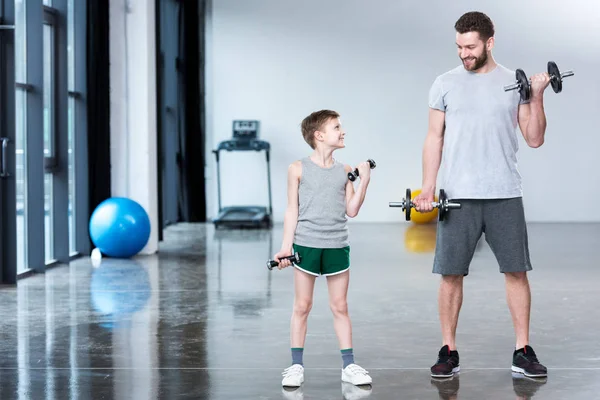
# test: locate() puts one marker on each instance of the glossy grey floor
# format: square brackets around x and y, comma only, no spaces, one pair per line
[205,319]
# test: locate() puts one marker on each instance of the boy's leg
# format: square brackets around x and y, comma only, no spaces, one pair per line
[304,284]
[338,290]
[336,264]
[303,298]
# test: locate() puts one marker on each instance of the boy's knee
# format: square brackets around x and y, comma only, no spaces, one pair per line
[339,306]
[302,307]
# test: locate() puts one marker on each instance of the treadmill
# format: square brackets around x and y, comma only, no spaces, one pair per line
[244,138]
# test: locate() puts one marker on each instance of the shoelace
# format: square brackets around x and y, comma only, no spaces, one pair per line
[293,370]
[355,369]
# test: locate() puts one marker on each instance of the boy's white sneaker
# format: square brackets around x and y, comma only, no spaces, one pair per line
[293,376]
[356,375]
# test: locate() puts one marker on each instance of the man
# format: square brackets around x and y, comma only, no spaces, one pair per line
[472,134]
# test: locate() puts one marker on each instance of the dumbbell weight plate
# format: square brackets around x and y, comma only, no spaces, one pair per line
[557,81]
[525,90]
[442,202]
[407,204]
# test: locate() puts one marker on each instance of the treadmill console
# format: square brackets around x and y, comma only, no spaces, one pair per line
[244,137]
[245,130]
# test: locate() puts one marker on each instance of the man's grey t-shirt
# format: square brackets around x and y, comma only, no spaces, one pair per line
[479,157]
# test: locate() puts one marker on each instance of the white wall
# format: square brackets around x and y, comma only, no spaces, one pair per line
[133,107]
[374,61]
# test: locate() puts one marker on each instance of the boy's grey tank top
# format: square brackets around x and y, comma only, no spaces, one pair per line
[322,206]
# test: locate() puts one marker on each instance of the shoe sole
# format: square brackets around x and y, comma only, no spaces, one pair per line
[522,371]
[356,384]
[293,386]
[451,374]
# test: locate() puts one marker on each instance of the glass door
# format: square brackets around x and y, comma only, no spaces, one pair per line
[56,132]
[50,143]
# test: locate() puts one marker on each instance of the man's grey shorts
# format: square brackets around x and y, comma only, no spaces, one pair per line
[502,221]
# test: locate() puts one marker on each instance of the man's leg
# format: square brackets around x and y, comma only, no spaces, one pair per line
[456,241]
[450,298]
[506,233]
[518,296]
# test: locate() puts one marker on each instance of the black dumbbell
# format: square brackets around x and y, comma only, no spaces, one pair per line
[524,85]
[354,174]
[444,205]
[295,258]
[556,77]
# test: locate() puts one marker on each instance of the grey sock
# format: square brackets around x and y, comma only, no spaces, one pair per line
[297,353]
[347,357]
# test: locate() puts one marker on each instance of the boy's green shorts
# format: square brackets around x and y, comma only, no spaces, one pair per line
[324,262]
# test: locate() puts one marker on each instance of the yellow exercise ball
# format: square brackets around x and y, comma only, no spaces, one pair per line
[420,238]
[422,218]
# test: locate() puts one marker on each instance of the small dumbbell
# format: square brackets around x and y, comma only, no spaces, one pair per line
[354,174]
[295,258]
[443,206]
[523,85]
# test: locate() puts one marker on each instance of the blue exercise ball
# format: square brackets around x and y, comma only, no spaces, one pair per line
[119,227]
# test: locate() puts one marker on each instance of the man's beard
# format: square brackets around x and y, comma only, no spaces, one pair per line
[479,62]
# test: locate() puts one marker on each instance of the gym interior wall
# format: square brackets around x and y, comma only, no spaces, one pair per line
[274,61]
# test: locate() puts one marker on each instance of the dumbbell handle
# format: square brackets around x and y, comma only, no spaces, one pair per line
[565,74]
[450,205]
[517,85]
[354,174]
[434,204]
[272,263]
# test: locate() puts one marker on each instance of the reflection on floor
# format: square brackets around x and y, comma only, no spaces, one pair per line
[205,319]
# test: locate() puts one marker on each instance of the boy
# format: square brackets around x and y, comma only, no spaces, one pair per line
[320,196]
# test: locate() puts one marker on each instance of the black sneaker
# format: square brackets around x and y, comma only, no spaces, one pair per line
[447,364]
[525,362]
